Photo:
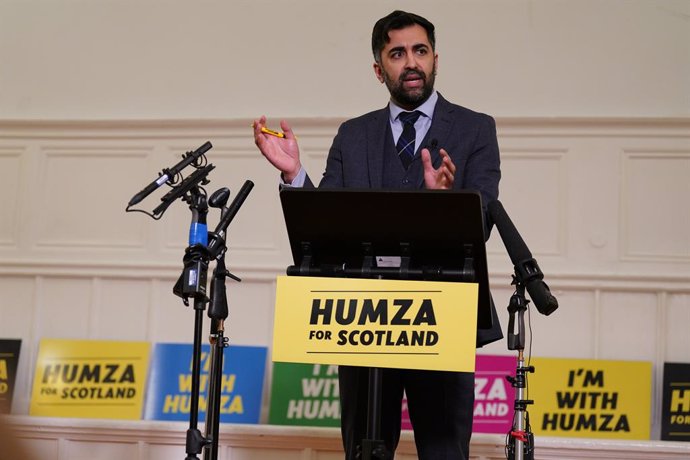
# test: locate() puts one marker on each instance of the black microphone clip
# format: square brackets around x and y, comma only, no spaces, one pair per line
[168,174]
[531,276]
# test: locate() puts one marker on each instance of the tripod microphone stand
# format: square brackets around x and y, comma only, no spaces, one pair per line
[192,283]
[204,246]
[528,275]
[218,310]
[520,441]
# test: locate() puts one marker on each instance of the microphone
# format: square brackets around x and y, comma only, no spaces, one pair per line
[227,215]
[527,270]
[433,144]
[169,173]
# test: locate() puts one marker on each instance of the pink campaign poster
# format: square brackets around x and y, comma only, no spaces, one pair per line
[493,395]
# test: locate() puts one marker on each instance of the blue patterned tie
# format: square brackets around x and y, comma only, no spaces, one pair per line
[405,146]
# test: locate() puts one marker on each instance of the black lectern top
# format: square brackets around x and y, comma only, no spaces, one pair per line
[433,235]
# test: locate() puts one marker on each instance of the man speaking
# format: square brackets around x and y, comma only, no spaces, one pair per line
[419,140]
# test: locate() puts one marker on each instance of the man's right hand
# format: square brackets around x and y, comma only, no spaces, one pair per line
[283,153]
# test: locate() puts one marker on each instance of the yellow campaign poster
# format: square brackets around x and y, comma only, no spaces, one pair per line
[590,398]
[376,323]
[90,378]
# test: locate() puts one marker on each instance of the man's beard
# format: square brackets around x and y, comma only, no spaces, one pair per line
[409,99]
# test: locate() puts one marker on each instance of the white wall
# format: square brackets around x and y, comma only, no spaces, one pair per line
[593,108]
[106,59]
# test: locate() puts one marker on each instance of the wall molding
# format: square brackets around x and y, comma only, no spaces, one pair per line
[604,281]
[181,128]
[311,441]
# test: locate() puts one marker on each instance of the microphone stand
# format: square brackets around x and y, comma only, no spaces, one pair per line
[192,283]
[218,312]
[520,440]
[373,446]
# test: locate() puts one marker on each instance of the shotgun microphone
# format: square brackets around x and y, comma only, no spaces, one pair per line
[170,173]
[527,270]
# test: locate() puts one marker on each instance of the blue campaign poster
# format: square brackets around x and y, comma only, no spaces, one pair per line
[168,396]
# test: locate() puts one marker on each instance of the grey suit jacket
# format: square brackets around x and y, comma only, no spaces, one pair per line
[356,159]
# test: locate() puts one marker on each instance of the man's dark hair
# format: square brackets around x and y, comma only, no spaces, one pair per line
[395,21]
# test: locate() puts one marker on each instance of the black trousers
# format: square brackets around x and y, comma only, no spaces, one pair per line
[440,406]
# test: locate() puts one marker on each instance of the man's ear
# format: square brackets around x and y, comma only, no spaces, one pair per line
[378,71]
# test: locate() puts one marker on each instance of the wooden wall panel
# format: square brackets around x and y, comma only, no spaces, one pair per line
[655,215]
[10,194]
[74,264]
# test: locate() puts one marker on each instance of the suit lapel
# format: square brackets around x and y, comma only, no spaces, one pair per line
[437,136]
[376,144]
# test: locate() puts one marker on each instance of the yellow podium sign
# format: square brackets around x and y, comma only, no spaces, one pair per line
[376,323]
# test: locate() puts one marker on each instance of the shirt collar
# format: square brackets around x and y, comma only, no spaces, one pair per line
[427,108]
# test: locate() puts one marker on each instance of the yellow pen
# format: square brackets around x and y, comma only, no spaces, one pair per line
[273,133]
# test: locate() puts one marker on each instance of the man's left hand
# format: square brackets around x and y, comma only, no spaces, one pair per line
[441,178]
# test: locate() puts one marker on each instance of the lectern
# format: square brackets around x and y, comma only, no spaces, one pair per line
[430,235]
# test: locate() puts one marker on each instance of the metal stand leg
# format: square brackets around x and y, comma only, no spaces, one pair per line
[520,445]
[373,446]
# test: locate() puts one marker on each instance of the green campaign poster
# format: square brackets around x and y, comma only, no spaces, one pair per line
[304,394]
